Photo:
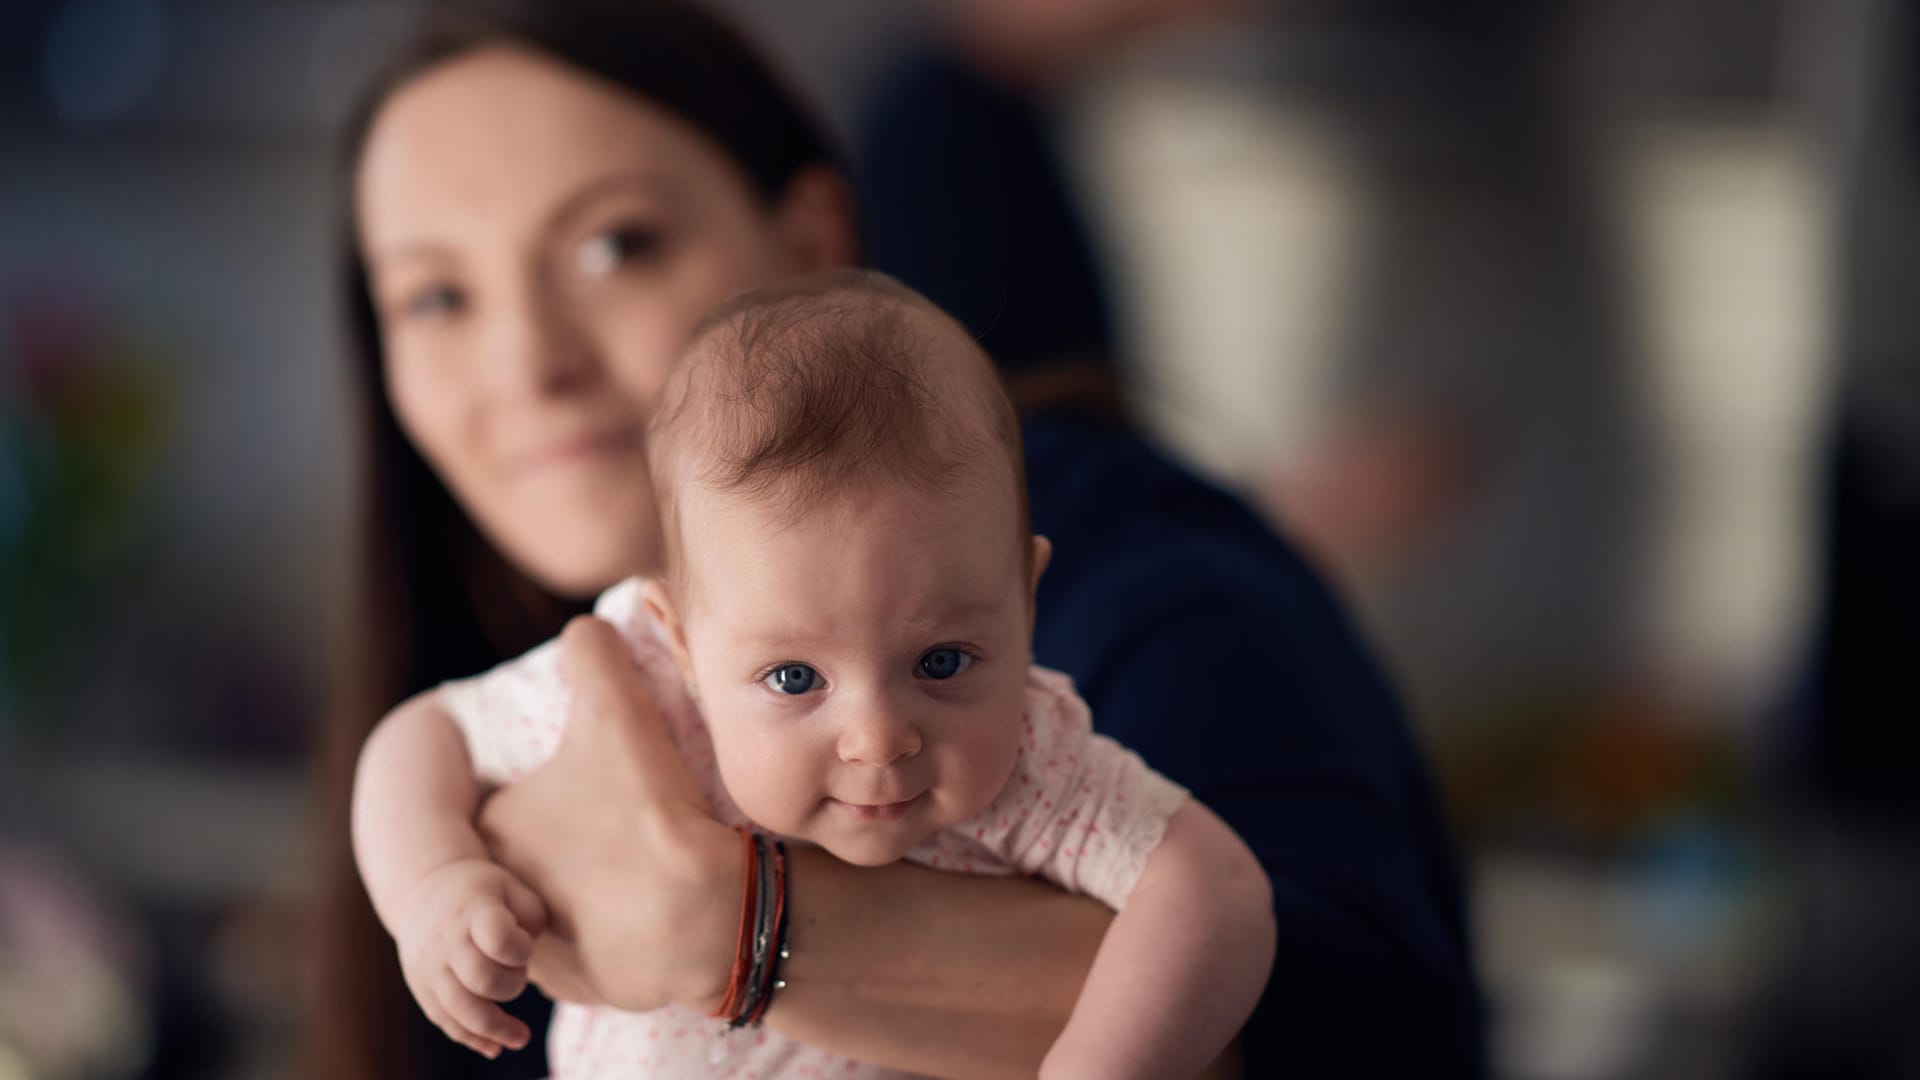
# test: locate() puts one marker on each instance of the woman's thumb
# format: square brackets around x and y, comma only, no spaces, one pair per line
[611,695]
[619,721]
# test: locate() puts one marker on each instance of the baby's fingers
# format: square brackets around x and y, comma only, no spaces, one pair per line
[444,1020]
[498,935]
[481,1018]
[486,977]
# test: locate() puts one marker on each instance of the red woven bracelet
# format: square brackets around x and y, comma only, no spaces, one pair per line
[743,948]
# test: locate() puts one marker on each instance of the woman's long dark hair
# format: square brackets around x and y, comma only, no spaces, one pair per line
[434,599]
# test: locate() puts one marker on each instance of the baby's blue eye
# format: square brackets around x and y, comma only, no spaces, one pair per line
[945,663]
[792,679]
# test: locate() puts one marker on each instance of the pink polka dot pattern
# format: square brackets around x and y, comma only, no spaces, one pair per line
[1079,810]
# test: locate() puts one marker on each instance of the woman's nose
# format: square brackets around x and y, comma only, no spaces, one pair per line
[538,346]
[878,735]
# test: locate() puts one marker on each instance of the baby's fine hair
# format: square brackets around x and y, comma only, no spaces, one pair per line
[793,393]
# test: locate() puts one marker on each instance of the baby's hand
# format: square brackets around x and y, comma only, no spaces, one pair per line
[465,938]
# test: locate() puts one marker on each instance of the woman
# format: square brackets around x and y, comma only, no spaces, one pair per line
[546,197]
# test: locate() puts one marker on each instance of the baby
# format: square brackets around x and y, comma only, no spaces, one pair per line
[848,598]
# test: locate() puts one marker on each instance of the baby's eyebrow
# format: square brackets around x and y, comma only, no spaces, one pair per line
[784,635]
[794,635]
[970,610]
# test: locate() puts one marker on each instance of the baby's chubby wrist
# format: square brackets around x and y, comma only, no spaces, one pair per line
[465,930]
[421,882]
[433,891]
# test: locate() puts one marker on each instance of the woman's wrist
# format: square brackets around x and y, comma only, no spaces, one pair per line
[717,878]
[928,972]
[696,877]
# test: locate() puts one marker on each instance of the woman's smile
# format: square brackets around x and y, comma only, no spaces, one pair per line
[586,448]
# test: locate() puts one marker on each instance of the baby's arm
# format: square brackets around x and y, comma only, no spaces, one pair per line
[463,925]
[1182,964]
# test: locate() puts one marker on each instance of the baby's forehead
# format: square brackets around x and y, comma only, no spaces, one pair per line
[976,492]
[871,522]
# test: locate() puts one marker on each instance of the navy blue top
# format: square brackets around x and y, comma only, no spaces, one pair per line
[1204,642]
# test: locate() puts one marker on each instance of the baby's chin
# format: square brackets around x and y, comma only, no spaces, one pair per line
[842,834]
[874,849]
[865,855]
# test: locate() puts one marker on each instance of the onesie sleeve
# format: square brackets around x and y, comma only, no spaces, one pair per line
[512,716]
[1080,810]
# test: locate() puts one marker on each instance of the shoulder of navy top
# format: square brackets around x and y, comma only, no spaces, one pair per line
[1136,537]
[1202,640]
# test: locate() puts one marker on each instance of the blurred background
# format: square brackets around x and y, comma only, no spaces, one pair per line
[1578,342]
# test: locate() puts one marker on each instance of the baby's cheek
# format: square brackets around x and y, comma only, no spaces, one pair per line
[989,759]
[771,786]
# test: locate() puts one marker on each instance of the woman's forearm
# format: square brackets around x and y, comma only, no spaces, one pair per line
[947,974]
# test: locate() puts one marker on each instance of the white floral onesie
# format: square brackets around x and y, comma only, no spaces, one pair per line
[1080,810]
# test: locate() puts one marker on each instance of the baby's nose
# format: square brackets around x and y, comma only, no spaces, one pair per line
[878,737]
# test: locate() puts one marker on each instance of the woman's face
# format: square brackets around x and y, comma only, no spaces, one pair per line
[540,245]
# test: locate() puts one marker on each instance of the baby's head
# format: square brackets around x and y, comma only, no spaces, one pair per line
[849,566]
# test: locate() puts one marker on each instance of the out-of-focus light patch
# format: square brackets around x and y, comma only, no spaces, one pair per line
[11,1065]
[100,58]
[1238,219]
[1580,1019]
[1731,276]
[1639,967]
[71,967]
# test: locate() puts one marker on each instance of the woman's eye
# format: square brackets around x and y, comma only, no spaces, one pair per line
[792,679]
[610,249]
[945,663]
[435,302]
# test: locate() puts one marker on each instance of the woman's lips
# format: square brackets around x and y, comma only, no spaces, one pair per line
[578,449]
[892,811]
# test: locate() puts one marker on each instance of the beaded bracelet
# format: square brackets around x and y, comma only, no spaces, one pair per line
[771,979]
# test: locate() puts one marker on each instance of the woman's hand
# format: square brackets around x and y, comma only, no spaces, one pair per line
[642,885]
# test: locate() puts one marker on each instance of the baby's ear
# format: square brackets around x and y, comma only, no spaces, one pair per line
[660,603]
[1042,554]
